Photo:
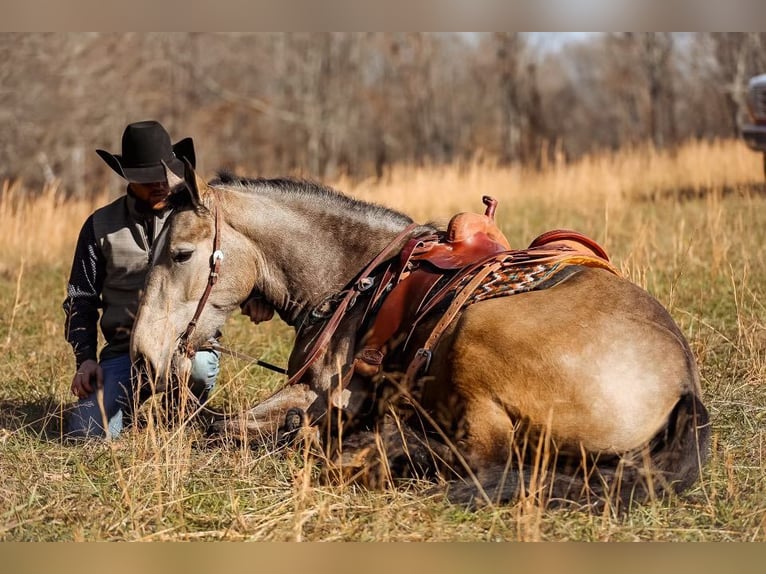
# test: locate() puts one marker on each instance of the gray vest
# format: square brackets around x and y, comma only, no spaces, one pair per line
[123,235]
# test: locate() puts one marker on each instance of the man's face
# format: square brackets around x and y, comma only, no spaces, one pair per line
[154,194]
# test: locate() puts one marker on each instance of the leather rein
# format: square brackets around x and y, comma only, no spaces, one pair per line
[184,342]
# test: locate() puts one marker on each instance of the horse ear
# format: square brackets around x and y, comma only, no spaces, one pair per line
[198,189]
[171,177]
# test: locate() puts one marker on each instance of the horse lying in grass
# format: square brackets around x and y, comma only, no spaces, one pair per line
[434,354]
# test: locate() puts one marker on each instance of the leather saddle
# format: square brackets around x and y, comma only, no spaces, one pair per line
[469,240]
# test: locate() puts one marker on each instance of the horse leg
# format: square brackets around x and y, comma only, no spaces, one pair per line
[267,421]
[670,463]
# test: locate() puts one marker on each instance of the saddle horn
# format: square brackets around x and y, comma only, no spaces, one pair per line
[491,204]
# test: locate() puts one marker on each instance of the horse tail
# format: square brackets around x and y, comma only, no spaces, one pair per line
[670,463]
[684,443]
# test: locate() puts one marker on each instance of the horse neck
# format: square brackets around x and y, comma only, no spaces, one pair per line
[303,254]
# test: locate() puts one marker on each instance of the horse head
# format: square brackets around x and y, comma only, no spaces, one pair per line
[192,286]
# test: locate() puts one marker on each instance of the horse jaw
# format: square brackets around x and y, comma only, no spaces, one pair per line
[153,345]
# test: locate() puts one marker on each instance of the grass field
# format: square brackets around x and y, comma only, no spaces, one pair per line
[690,228]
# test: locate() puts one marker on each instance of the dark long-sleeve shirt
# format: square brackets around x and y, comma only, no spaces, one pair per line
[83,300]
[109,268]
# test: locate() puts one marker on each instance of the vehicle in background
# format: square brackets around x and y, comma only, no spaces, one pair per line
[754,133]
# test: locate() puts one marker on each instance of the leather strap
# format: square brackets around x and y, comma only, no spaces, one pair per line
[184,342]
[422,356]
[360,284]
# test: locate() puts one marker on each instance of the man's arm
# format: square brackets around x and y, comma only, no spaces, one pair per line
[84,295]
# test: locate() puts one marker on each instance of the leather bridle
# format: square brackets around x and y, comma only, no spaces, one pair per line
[184,342]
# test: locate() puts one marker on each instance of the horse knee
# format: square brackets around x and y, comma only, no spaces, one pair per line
[488,433]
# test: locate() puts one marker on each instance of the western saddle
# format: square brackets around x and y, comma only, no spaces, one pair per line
[447,269]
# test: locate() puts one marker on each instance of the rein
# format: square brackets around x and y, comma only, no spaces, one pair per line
[245,357]
[361,284]
[184,343]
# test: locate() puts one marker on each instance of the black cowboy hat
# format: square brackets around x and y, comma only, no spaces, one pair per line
[145,145]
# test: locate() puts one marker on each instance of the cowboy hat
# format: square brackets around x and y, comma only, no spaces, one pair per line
[145,145]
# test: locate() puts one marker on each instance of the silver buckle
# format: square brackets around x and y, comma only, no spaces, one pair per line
[424,353]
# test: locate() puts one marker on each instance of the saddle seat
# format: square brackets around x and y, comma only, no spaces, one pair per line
[470,237]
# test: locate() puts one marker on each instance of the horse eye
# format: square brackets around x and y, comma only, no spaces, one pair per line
[182,256]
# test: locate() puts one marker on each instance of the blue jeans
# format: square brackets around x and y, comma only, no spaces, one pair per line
[121,395]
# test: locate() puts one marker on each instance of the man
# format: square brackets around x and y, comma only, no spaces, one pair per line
[110,264]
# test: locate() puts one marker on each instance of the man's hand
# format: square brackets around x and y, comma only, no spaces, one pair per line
[87,379]
[257,309]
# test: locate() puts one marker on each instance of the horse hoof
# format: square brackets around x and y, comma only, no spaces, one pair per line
[294,419]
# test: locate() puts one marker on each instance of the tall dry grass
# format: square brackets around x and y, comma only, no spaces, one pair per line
[688,226]
[607,179]
[39,226]
[42,226]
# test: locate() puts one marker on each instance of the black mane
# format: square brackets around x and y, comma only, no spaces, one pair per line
[288,184]
[307,187]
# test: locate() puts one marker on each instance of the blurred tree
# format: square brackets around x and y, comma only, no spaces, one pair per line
[508,48]
[323,104]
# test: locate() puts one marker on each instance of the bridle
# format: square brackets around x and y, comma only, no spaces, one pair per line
[184,342]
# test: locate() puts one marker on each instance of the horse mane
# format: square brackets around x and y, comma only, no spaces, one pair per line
[334,200]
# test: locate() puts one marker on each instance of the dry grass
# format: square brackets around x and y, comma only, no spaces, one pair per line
[689,227]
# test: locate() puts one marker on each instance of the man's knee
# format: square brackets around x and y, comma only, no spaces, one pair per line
[87,420]
[204,371]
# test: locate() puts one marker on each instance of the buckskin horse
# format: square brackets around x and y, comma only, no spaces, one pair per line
[439,354]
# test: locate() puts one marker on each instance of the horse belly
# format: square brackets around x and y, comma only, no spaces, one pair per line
[597,374]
